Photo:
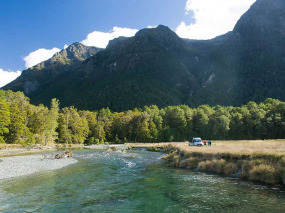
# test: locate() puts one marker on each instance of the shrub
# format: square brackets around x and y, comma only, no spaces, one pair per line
[204,165]
[212,165]
[176,160]
[246,166]
[183,163]
[264,173]
[169,148]
[90,141]
[170,156]
[154,149]
[230,169]
[218,165]
[192,162]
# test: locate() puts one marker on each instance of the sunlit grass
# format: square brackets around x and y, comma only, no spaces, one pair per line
[262,161]
[275,147]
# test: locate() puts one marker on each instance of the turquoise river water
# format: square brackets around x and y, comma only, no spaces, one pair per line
[136,181]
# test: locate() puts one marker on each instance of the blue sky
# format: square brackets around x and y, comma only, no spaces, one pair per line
[32,24]
[48,25]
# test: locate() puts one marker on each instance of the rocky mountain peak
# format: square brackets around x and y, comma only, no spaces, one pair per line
[160,32]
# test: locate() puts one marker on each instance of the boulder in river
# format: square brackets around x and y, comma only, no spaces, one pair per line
[66,154]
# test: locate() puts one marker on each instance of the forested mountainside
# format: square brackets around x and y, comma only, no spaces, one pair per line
[157,67]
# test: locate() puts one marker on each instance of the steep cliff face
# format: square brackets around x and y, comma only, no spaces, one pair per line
[260,42]
[249,63]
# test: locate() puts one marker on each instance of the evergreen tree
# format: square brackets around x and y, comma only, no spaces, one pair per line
[4,119]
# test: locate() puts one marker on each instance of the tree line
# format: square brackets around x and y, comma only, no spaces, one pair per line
[24,123]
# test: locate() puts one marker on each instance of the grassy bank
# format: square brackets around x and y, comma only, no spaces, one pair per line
[261,161]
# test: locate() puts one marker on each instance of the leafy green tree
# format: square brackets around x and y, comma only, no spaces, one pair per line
[236,126]
[219,123]
[4,119]
[200,122]
[105,116]
[254,120]
[97,133]
[37,118]
[52,122]
[18,131]
[64,132]
[174,118]
[72,127]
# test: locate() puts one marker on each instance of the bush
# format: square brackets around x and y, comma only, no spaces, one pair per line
[170,156]
[204,165]
[247,167]
[2,140]
[218,165]
[176,160]
[230,169]
[212,165]
[90,141]
[264,173]
[153,149]
[183,163]
[192,162]
[169,148]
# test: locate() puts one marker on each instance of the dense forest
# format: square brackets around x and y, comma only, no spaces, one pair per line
[24,123]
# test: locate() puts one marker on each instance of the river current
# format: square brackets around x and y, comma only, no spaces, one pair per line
[135,181]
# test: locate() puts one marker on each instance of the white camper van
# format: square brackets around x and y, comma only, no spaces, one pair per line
[195,142]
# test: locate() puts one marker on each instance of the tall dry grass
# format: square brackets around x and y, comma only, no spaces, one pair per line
[262,161]
[275,147]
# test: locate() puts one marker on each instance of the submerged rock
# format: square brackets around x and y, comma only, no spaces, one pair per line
[66,154]
[113,148]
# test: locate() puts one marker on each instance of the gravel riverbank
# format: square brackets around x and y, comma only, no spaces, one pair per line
[22,151]
[16,166]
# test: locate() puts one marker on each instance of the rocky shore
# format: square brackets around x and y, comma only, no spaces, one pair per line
[16,166]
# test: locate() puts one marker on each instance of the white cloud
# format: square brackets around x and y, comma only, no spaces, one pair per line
[101,39]
[213,17]
[8,76]
[39,55]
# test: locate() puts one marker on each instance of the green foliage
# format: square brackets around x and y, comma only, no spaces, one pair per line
[4,119]
[72,127]
[23,123]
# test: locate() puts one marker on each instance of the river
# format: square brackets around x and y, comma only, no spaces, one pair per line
[136,181]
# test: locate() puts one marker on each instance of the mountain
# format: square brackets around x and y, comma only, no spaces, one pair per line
[249,65]
[43,73]
[157,67]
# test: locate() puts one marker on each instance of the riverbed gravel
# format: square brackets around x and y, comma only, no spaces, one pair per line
[16,166]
